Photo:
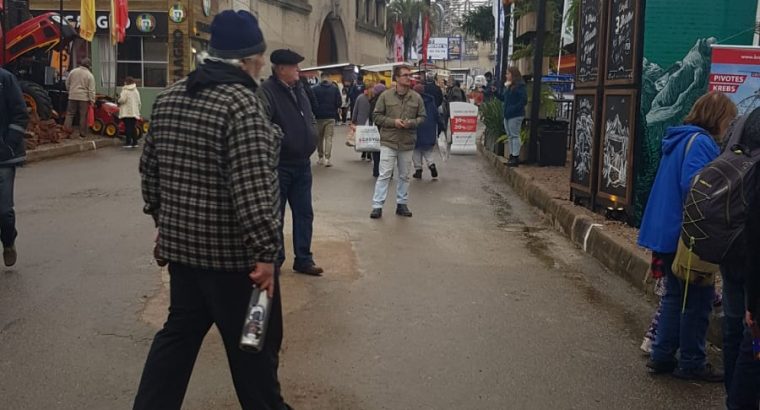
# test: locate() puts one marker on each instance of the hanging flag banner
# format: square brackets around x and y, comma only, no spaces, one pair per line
[425,38]
[464,127]
[87,24]
[416,49]
[438,48]
[398,44]
[735,71]
[119,20]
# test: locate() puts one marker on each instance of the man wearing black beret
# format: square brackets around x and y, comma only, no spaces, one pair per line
[288,106]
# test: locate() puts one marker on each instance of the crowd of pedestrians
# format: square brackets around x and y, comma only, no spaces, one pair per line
[227,155]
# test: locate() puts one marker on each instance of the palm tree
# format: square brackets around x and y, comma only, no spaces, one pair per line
[408,12]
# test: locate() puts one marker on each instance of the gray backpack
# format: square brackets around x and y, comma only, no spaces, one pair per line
[715,210]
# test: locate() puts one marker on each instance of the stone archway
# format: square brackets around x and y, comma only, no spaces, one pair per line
[333,43]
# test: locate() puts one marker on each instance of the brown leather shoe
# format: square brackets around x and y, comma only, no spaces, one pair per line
[9,256]
[312,270]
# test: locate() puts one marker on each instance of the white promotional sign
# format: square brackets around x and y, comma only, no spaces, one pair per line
[438,48]
[464,127]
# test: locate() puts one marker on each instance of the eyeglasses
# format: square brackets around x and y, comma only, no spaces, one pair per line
[405,75]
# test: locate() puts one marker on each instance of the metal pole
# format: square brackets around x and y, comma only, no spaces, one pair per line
[60,51]
[538,59]
[505,43]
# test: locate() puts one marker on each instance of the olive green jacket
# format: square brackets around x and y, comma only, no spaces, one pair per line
[392,106]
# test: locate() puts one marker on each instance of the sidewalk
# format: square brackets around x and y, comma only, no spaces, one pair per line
[69,147]
[611,243]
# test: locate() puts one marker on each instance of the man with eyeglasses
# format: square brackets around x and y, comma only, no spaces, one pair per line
[398,113]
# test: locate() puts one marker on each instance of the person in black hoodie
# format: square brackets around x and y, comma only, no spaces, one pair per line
[209,180]
[742,288]
[13,120]
[329,100]
[288,106]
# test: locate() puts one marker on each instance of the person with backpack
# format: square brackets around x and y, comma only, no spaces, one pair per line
[686,149]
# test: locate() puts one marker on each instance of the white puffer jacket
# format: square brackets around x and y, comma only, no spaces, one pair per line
[129,102]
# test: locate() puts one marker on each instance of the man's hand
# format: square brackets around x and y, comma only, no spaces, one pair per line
[263,277]
[400,123]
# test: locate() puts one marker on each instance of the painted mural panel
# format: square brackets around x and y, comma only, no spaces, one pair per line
[617,146]
[584,140]
[676,67]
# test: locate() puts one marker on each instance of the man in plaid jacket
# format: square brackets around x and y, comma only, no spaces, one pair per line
[209,180]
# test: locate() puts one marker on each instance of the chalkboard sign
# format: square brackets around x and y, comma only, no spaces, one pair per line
[616,146]
[622,42]
[589,42]
[584,140]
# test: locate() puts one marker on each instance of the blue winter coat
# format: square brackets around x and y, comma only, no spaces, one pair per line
[427,132]
[663,215]
[328,99]
[514,99]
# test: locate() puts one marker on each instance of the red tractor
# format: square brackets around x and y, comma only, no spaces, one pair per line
[107,120]
[24,50]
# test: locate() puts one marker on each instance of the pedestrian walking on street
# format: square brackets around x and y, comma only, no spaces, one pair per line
[515,97]
[329,100]
[344,113]
[13,121]
[427,135]
[81,86]
[129,111]
[361,116]
[686,149]
[209,180]
[377,90]
[288,106]
[398,113]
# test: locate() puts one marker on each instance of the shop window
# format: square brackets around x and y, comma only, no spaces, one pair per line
[360,11]
[380,14]
[144,59]
[367,10]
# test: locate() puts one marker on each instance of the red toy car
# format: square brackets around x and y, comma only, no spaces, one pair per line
[107,120]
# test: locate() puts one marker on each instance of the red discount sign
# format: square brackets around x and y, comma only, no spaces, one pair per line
[464,124]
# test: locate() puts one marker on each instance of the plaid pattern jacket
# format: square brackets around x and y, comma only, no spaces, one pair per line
[209,178]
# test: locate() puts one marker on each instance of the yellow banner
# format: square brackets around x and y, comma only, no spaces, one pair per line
[87,24]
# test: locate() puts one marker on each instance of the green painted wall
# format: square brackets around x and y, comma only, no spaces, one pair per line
[677,38]
[673,26]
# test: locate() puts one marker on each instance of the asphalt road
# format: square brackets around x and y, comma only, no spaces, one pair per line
[474,303]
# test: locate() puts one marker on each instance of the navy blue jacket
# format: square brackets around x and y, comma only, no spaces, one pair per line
[514,99]
[328,101]
[13,120]
[427,132]
[294,117]
[661,225]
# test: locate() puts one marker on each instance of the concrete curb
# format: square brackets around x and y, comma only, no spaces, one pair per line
[69,148]
[623,259]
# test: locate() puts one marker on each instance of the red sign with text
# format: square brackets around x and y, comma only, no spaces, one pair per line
[464,124]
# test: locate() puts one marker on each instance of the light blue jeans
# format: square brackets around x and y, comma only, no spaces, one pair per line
[389,158]
[512,126]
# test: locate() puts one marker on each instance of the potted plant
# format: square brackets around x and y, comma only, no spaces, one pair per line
[492,116]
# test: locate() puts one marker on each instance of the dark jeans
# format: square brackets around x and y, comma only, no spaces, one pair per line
[682,332]
[733,319]
[375,163]
[745,387]
[295,189]
[130,131]
[198,299]
[7,214]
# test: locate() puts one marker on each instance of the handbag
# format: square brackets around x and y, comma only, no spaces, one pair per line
[367,138]
[688,267]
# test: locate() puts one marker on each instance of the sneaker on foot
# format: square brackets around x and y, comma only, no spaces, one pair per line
[403,210]
[707,373]
[646,345]
[376,213]
[417,174]
[433,171]
[321,161]
[9,255]
[327,163]
[661,367]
